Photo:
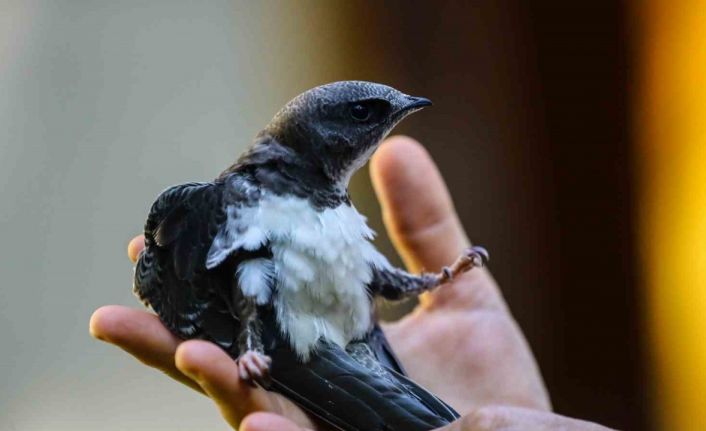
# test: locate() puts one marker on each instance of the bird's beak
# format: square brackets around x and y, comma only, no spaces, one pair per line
[416,103]
[409,104]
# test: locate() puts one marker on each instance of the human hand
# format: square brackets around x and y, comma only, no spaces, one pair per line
[461,342]
[483,419]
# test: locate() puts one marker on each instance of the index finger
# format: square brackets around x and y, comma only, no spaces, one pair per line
[142,335]
[134,247]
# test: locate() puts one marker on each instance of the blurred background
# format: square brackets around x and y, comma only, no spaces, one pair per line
[572,136]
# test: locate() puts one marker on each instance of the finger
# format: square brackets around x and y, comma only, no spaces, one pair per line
[217,373]
[142,335]
[496,418]
[423,224]
[416,204]
[269,422]
[135,247]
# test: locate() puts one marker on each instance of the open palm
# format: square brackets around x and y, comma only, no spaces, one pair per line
[461,342]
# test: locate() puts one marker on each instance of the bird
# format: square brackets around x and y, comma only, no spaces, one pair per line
[272,262]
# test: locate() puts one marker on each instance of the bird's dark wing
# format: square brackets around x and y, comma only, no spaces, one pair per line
[383,351]
[170,275]
[351,391]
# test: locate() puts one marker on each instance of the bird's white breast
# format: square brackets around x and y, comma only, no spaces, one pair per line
[320,266]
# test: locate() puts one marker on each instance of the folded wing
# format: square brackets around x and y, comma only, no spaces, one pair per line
[352,390]
[170,275]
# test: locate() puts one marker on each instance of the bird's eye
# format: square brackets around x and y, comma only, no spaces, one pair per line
[360,112]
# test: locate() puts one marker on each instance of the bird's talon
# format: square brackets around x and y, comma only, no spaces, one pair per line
[254,367]
[478,255]
[448,273]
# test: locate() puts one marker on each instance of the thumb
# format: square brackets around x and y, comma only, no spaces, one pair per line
[416,205]
[423,224]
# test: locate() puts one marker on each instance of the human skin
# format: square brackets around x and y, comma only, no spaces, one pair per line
[461,342]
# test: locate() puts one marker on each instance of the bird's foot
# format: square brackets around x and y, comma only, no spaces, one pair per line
[472,257]
[254,367]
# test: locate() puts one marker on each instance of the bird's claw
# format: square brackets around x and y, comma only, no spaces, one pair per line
[472,257]
[447,273]
[479,255]
[254,367]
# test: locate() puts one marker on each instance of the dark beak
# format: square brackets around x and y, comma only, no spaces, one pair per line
[416,103]
[408,105]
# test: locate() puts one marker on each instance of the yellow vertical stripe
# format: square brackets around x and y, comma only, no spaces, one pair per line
[670,127]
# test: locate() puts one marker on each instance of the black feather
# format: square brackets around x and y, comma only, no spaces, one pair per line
[351,390]
[170,274]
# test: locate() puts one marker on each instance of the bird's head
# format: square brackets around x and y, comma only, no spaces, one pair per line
[338,126]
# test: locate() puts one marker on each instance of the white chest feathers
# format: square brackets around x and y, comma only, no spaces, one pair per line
[320,266]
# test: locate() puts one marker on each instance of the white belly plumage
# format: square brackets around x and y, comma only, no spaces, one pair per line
[320,266]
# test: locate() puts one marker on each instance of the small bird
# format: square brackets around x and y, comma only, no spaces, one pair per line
[272,262]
